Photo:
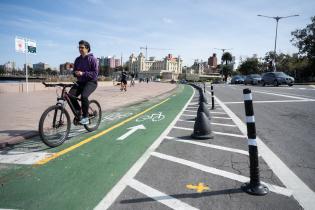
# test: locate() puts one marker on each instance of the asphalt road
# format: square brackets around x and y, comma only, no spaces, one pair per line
[284,121]
[163,167]
[180,165]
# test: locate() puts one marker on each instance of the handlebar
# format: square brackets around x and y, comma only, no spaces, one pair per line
[58,84]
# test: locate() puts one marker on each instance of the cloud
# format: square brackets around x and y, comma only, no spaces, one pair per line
[97,2]
[167,20]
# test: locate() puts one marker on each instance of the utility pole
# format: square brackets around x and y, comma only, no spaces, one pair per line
[277,18]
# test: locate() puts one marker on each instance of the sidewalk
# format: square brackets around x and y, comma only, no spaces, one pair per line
[20,112]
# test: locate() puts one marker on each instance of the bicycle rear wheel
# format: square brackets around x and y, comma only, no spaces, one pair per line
[95,116]
[54,126]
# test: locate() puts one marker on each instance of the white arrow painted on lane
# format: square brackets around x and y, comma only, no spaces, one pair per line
[132,130]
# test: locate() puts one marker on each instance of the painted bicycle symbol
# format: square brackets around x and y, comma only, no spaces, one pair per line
[116,116]
[153,117]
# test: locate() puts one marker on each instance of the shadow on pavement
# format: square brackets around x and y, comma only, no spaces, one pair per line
[184,195]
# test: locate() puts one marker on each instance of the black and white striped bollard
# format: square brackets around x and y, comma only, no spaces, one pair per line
[212,97]
[254,187]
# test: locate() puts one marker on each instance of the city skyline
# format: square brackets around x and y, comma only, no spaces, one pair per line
[193,28]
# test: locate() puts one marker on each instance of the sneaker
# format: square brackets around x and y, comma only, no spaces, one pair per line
[84,121]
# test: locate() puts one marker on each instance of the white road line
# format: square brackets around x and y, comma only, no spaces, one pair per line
[182,128]
[226,118]
[190,110]
[221,124]
[113,194]
[226,174]
[217,112]
[161,197]
[277,101]
[243,152]
[229,134]
[301,192]
[189,115]
[277,94]
[215,132]
[23,158]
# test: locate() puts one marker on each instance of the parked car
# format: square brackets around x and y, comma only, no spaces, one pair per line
[276,79]
[253,79]
[238,79]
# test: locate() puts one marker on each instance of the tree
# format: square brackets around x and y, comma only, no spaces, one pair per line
[250,66]
[2,71]
[226,57]
[226,71]
[304,39]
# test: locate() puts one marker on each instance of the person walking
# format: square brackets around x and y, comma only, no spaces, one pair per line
[132,81]
[123,82]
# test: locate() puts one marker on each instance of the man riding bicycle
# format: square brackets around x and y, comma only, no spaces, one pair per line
[86,71]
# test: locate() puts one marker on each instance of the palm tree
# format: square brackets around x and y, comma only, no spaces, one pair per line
[226,70]
[226,57]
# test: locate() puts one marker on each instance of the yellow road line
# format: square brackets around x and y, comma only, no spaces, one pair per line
[62,152]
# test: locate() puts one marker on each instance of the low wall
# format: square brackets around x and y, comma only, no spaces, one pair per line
[20,87]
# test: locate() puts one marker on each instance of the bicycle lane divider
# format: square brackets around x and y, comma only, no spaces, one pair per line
[301,192]
[81,178]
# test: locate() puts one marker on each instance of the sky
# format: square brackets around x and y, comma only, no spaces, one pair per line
[191,29]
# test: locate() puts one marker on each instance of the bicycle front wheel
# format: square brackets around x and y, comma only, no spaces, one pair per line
[54,126]
[95,116]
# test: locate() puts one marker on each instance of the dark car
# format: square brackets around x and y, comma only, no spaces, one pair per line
[276,79]
[253,79]
[238,79]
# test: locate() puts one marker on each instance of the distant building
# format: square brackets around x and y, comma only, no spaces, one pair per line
[117,62]
[66,68]
[9,66]
[213,64]
[213,61]
[40,66]
[169,67]
[109,61]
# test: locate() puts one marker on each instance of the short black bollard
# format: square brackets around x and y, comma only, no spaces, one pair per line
[254,187]
[212,96]
[204,87]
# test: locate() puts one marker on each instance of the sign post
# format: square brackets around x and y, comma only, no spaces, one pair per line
[24,45]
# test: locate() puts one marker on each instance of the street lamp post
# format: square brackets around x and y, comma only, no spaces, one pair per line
[277,18]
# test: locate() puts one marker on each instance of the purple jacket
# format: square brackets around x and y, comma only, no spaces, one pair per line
[88,65]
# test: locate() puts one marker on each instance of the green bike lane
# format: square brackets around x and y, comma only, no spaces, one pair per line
[81,176]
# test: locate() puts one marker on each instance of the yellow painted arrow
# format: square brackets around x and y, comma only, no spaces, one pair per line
[200,187]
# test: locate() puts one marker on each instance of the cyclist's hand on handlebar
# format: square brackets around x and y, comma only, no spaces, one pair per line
[78,73]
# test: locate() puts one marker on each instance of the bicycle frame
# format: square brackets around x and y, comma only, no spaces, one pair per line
[65,96]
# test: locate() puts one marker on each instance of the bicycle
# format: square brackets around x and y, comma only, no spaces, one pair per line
[54,124]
